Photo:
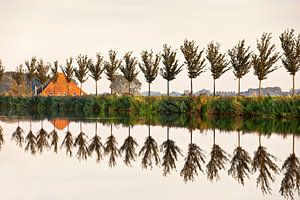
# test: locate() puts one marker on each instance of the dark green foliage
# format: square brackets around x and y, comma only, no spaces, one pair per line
[218,63]
[97,69]
[171,68]
[193,60]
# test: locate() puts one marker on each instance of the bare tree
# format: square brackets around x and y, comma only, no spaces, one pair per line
[96,70]
[129,69]
[129,147]
[54,74]
[112,66]
[82,71]
[68,72]
[18,76]
[31,70]
[42,72]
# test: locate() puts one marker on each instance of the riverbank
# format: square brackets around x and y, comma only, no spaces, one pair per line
[268,107]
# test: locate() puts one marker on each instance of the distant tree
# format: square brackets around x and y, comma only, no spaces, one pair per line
[149,66]
[218,63]
[31,70]
[240,59]
[97,69]
[291,53]
[129,69]
[68,72]
[171,67]
[193,60]
[1,70]
[54,74]
[18,76]
[263,62]
[42,70]
[82,71]
[112,66]
[120,86]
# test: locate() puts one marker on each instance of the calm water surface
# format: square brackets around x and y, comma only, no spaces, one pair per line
[78,159]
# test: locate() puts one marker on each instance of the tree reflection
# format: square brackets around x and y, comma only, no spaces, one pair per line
[263,164]
[1,138]
[42,139]
[129,147]
[149,151]
[240,163]
[218,159]
[68,142]
[54,138]
[96,145]
[31,142]
[81,142]
[170,151]
[111,148]
[291,180]
[18,135]
[193,161]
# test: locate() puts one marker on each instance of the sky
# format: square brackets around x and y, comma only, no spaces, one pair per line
[56,30]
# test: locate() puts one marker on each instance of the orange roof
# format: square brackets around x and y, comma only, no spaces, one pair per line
[60,88]
[60,124]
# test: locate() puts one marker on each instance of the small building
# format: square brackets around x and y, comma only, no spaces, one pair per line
[60,88]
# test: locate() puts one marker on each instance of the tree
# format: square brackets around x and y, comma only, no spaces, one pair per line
[68,72]
[171,67]
[1,137]
[96,145]
[240,164]
[149,66]
[97,69]
[291,180]
[18,76]
[81,142]
[263,63]
[149,151]
[31,143]
[111,148]
[42,139]
[68,142]
[170,151]
[54,74]
[193,60]
[291,53]
[218,63]
[129,148]
[112,66]
[218,159]
[18,136]
[42,72]
[264,165]
[240,59]
[54,138]
[120,86]
[129,69]
[82,71]
[31,70]
[193,161]
[1,70]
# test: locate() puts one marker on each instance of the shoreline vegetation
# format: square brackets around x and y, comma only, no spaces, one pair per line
[204,106]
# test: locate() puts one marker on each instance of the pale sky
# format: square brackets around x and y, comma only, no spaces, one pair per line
[59,29]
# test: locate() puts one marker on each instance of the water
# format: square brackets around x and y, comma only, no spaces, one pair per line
[42,173]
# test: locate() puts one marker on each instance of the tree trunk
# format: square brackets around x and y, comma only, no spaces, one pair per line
[239,139]
[293,143]
[54,89]
[149,89]
[191,131]
[214,136]
[80,89]
[239,86]
[191,87]
[149,130]
[129,87]
[129,130]
[168,132]
[259,92]
[167,87]
[111,91]
[68,88]
[214,87]
[96,88]
[293,92]
[18,90]
[30,88]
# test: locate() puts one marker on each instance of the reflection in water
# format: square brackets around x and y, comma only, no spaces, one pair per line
[18,135]
[240,163]
[111,149]
[81,142]
[170,151]
[42,141]
[264,165]
[218,159]
[68,142]
[193,161]
[31,142]
[291,180]
[1,138]
[96,145]
[149,151]
[129,147]
[263,162]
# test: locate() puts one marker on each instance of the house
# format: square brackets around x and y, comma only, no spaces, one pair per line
[60,88]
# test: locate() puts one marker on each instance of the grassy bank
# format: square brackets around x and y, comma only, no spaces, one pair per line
[270,107]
